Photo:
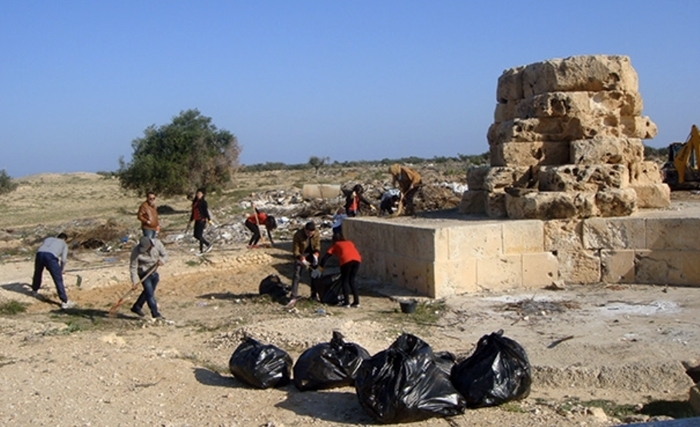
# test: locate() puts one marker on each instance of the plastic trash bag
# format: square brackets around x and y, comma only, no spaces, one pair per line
[272,285]
[329,365]
[260,365]
[497,372]
[404,384]
[329,288]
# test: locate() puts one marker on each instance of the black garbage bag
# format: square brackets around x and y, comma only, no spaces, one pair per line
[497,372]
[260,365]
[404,383]
[272,285]
[329,365]
[329,288]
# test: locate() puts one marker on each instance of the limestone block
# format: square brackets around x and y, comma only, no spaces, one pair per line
[652,195]
[582,267]
[617,266]
[582,177]
[496,205]
[454,278]
[668,267]
[638,127]
[563,235]
[374,264]
[510,85]
[500,272]
[476,176]
[475,241]
[500,177]
[607,149]
[551,205]
[576,104]
[529,153]
[616,202]
[646,172]
[664,234]
[422,242]
[415,275]
[473,202]
[613,233]
[505,111]
[523,236]
[539,269]
[580,73]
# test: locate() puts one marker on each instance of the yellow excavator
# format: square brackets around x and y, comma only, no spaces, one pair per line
[681,171]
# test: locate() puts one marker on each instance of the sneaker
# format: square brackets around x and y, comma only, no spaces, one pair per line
[68,304]
[35,294]
[138,311]
[208,248]
[355,305]
[292,302]
[159,317]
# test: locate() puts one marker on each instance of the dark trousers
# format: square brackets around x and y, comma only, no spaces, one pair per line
[148,295]
[50,262]
[408,199]
[199,227]
[255,229]
[298,268]
[348,271]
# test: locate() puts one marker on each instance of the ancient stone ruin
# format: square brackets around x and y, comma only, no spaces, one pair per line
[566,142]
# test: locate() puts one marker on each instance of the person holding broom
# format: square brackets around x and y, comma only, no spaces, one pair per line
[145,259]
[253,223]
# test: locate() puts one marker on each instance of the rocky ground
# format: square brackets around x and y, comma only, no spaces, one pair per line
[601,355]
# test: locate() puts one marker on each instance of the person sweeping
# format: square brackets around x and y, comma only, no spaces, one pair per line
[145,259]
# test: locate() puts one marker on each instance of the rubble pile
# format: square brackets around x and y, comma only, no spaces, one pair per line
[566,142]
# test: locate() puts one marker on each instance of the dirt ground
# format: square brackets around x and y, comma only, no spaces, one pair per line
[601,355]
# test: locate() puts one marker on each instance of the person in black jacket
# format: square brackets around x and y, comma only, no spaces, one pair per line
[353,200]
[200,216]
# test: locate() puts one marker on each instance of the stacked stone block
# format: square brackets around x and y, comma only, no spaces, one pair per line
[566,142]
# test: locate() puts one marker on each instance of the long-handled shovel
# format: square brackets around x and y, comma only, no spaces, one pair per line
[113,310]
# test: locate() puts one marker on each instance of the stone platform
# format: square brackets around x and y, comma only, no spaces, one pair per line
[448,253]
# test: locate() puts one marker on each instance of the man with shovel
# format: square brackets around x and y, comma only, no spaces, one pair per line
[145,259]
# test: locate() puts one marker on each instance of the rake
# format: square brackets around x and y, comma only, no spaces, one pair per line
[113,310]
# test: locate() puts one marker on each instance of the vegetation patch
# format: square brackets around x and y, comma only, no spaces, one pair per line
[12,307]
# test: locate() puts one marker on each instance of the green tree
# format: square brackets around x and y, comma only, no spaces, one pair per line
[318,162]
[7,184]
[173,159]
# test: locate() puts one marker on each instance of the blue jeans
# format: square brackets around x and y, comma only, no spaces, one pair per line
[149,233]
[50,262]
[148,296]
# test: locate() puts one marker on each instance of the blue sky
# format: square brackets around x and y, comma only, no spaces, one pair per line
[350,80]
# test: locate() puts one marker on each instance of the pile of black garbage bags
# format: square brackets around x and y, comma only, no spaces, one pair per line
[406,382]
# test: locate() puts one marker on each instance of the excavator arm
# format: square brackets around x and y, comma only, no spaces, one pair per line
[692,145]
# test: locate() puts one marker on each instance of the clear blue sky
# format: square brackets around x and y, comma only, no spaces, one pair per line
[351,80]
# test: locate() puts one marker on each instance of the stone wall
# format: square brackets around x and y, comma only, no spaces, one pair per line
[566,142]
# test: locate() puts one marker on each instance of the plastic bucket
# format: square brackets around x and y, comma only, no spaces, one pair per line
[408,306]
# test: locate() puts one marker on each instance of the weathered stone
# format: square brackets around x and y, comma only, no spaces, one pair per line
[540,269]
[529,153]
[499,177]
[552,205]
[523,237]
[581,267]
[652,195]
[496,205]
[572,104]
[606,149]
[646,172]
[563,235]
[673,267]
[580,73]
[499,273]
[638,127]
[616,202]
[510,85]
[476,176]
[613,233]
[590,178]
[617,266]
[666,234]
[473,202]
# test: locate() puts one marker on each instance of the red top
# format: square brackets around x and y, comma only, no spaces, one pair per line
[346,251]
[261,218]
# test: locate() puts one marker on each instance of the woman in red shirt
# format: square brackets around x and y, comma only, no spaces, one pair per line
[349,259]
[200,216]
[253,224]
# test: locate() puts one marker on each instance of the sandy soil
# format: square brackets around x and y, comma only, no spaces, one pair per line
[80,367]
